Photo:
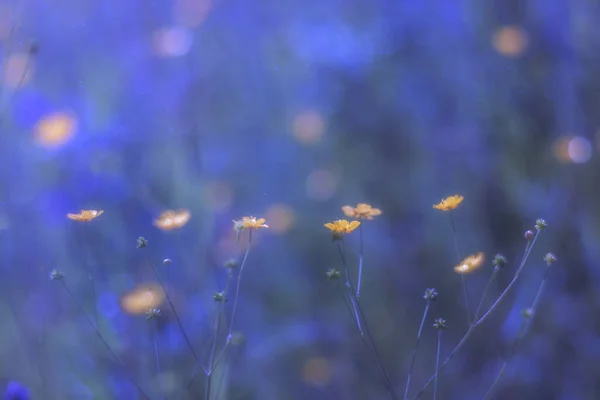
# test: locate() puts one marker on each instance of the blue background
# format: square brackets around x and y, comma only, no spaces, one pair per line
[289,110]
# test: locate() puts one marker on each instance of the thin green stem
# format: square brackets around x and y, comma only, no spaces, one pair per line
[212,358]
[155,331]
[522,332]
[414,352]
[89,320]
[369,344]
[340,246]
[214,344]
[359,315]
[485,290]
[528,249]
[92,275]
[237,287]
[437,363]
[232,319]
[462,278]
[177,319]
[360,260]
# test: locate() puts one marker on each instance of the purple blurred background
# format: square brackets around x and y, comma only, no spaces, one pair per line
[289,110]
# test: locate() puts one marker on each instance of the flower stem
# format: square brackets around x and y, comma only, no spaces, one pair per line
[237,287]
[177,319]
[340,246]
[89,319]
[414,352]
[522,332]
[462,277]
[214,344]
[485,290]
[437,363]
[360,260]
[359,315]
[528,249]
[156,347]
[212,359]
[232,319]
[91,275]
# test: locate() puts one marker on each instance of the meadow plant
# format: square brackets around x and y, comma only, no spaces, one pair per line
[170,220]
[349,290]
[467,265]
[57,275]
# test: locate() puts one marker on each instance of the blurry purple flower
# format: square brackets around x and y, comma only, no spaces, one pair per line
[16,391]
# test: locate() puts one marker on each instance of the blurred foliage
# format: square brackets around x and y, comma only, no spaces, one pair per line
[289,111]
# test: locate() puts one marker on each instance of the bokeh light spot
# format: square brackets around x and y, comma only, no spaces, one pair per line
[172,42]
[143,298]
[317,371]
[579,149]
[510,41]
[55,130]
[560,149]
[281,218]
[572,149]
[218,196]
[321,185]
[19,70]
[191,13]
[308,127]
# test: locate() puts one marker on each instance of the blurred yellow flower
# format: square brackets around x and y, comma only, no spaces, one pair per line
[342,227]
[85,215]
[470,264]
[449,203]
[143,298]
[251,223]
[361,211]
[171,219]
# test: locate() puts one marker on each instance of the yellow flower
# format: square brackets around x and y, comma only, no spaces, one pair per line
[361,211]
[170,219]
[449,203]
[85,215]
[470,264]
[141,299]
[251,223]
[341,227]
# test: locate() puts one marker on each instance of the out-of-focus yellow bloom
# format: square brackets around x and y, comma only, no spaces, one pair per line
[143,298]
[250,223]
[342,227]
[171,219]
[470,264]
[361,211]
[85,215]
[449,203]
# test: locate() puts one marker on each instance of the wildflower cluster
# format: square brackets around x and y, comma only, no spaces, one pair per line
[466,265]
[147,299]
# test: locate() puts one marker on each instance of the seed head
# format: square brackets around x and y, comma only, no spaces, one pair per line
[499,260]
[550,258]
[153,313]
[232,263]
[527,313]
[529,235]
[141,242]
[540,224]
[439,323]
[220,297]
[430,294]
[56,275]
